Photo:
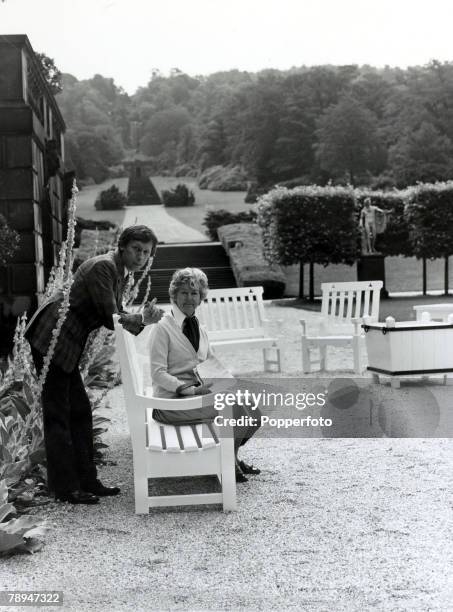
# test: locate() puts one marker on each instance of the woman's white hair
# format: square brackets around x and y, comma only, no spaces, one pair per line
[193,277]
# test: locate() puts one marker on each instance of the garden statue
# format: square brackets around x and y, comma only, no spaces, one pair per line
[373,221]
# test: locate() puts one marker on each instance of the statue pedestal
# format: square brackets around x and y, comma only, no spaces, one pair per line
[372,267]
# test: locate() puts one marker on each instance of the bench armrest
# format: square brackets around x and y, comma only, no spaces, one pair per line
[303,322]
[357,321]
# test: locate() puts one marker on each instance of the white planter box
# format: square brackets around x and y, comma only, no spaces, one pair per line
[410,347]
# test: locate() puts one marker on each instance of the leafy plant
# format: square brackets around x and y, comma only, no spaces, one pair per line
[179,196]
[214,218]
[111,199]
[18,534]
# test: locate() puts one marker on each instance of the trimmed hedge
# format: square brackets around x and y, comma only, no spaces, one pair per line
[179,196]
[429,212]
[244,245]
[310,224]
[215,218]
[111,199]
[395,240]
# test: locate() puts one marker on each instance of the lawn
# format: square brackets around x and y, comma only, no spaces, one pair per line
[193,215]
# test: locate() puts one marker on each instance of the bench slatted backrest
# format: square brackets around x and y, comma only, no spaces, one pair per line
[237,313]
[343,301]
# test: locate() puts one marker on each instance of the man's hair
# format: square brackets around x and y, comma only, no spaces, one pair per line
[194,277]
[137,232]
[367,200]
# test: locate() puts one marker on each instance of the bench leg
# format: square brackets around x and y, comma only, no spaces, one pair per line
[322,357]
[306,364]
[141,494]
[395,383]
[270,362]
[228,472]
[356,353]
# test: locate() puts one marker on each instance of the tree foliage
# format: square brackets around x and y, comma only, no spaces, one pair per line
[51,72]
[347,139]
[341,123]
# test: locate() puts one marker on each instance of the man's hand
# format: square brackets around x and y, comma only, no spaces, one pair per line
[132,323]
[152,314]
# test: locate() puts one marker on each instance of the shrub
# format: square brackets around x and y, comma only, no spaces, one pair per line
[430,214]
[9,241]
[221,178]
[179,196]
[254,191]
[214,218]
[111,199]
[185,170]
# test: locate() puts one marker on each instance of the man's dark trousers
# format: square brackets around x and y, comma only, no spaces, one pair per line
[68,429]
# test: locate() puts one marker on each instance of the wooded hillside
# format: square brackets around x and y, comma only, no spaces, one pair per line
[346,123]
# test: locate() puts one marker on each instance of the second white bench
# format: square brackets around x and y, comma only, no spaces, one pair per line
[235,317]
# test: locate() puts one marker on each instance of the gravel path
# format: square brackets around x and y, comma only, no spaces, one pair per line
[330,524]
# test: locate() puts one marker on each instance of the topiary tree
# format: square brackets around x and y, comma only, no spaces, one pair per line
[429,212]
[111,199]
[179,196]
[9,241]
[309,224]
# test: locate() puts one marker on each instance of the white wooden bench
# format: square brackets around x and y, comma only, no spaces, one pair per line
[342,309]
[235,318]
[161,451]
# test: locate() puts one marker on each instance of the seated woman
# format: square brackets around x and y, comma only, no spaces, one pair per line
[178,343]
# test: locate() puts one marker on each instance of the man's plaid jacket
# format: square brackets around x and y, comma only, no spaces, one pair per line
[95,296]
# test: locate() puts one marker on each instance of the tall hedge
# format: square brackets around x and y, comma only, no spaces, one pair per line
[310,224]
[430,213]
[396,239]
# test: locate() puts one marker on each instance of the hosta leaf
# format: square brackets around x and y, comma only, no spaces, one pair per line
[38,531]
[20,525]
[38,456]
[6,455]
[28,395]
[3,491]
[9,541]
[5,510]
[98,420]
[97,431]
[98,445]
[14,471]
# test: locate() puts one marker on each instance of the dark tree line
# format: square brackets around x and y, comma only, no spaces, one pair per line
[325,123]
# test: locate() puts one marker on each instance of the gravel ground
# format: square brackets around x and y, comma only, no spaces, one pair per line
[330,524]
